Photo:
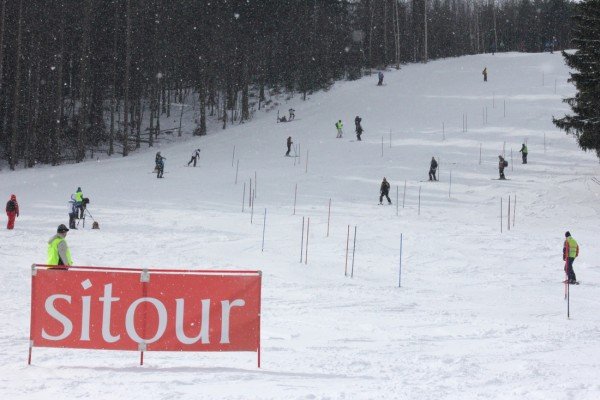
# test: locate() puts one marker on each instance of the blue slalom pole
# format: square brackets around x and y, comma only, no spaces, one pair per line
[400,272]
[264,226]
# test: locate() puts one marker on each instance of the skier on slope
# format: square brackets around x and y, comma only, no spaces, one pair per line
[384,191]
[502,163]
[159,165]
[292,115]
[570,252]
[484,73]
[339,126]
[12,211]
[524,153]
[289,146]
[432,168]
[358,129]
[380,76]
[195,156]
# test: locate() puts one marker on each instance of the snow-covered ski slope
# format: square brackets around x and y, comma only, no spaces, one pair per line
[480,314]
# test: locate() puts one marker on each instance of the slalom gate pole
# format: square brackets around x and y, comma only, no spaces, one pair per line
[250,194]
[306,248]
[237,168]
[555,86]
[295,196]
[347,244]
[500,214]
[244,197]
[306,163]
[404,195]
[515,210]
[504,149]
[328,216]
[264,227]
[479,153]
[397,200]
[390,138]
[504,108]
[299,154]
[568,301]
[466,122]
[419,199]
[400,266]
[353,251]
[302,241]
[252,213]
[508,214]
[511,161]
[443,131]
[233,155]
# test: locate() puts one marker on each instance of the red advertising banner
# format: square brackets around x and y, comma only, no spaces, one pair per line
[145,310]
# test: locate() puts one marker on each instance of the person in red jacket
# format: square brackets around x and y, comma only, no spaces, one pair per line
[12,210]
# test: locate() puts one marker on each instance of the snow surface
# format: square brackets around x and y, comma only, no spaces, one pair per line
[480,314]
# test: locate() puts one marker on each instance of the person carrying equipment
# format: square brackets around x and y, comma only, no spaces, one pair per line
[502,163]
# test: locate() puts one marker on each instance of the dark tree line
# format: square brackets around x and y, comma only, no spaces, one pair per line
[584,122]
[85,76]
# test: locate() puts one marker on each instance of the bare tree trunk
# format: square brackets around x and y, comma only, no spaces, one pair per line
[59,110]
[425,44]
[127,78]
[15,122]
[84,82]
[113,95]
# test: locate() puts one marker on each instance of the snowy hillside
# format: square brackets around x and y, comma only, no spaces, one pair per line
[480,313]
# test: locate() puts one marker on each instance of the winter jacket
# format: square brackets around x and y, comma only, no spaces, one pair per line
[12,206]
[385,187]
[523,150]
[58,251]
[339,125]
[570,248]
[433,165]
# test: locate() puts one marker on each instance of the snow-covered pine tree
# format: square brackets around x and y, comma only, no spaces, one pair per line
[584,123]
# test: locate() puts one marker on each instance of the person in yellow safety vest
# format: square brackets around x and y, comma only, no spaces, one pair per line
[78,199]
[339,127]
[524,152]
[58,250]
[570,252]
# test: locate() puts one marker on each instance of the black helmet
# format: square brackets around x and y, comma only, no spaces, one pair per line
[62,228]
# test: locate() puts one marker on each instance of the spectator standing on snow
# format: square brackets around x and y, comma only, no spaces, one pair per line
[195,156]
[432,168]
[292,115]
[289,146]
[380,76]
[384,191]
[502,163]
[339,126]
[58,250]
[484,72]
[570,252]
[73,214]
[12,211]
[359,129]
[524,152]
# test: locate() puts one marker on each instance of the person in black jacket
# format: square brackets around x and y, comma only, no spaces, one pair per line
[502,163]
[359,129]
[385,191]
[195,157]
[432,168]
